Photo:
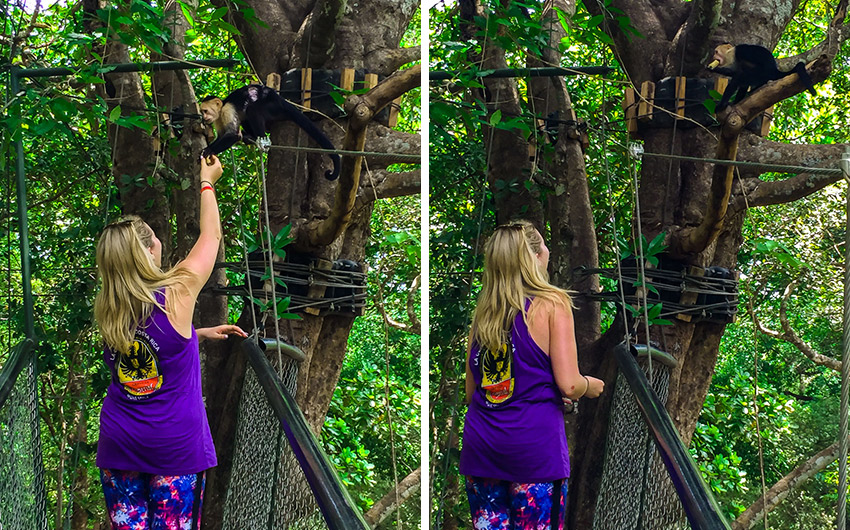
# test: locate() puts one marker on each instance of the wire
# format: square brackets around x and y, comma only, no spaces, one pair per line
[399,157]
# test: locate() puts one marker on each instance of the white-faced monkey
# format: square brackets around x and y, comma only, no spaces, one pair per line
[750,66]
[252,108]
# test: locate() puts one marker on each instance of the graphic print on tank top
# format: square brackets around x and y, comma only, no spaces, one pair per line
[138,369]
[497,374]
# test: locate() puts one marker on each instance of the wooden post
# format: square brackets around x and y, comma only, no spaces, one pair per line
[629,110]
[346,79]
[315,292]
[273,81]
[647,97]
[371,81]
[306,86]
[681,84]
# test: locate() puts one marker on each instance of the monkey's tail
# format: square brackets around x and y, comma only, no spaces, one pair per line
[805,78]
[316,134]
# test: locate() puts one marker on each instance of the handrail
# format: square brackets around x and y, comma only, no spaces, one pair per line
[21,354]
[699,504]
[336,505]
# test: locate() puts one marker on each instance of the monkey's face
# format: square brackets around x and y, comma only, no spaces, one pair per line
[722,56]
[210,110]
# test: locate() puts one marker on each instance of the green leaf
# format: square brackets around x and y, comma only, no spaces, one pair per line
[114,114]
[496,117]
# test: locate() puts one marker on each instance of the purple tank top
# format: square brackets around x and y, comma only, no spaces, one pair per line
[153,418]
[514,427]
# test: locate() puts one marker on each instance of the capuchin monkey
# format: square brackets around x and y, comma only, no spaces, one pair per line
[252,108]
[750,66]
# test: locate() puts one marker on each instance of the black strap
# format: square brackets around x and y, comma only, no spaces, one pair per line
[555,517]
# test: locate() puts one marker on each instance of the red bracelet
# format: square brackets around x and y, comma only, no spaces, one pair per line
[205,188]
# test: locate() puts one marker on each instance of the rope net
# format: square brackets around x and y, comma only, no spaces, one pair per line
[636,490]
[22,494]
[267,487]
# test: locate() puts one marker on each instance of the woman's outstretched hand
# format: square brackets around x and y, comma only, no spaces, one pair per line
[219,332]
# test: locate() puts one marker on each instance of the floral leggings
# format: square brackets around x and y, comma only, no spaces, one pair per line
[504,505]
[141,501]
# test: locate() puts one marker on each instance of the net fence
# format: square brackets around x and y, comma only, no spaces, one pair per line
[22,494]
[268,489]
[636,490]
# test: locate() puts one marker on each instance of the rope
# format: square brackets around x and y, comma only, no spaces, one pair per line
[613,215]
[777,168]
[398,157]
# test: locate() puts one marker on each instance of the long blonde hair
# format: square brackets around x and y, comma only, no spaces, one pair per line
[511,275]
[129,278]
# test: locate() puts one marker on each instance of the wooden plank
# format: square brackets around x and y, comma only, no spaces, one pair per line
[306,86]
[681,84]
[346,79]
[647,96]
[629,109]
[316,292]
[273,81]
[371,81]
[689,297]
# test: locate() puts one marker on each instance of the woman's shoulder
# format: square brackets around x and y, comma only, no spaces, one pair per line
[550,304]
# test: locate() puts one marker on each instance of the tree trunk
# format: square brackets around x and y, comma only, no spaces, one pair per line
[298,194]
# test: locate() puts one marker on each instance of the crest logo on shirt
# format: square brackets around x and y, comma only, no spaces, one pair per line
[138,369]
[496,375]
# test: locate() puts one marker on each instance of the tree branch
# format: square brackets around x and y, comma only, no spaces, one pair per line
[414,327]
[784,486]
[389,502]
[385,61]
[836,34]
[756,192]
[361,109]
[789,335]
[688,241]
[383,184]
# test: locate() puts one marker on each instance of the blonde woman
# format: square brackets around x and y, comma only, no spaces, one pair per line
[521,363]
[155,442]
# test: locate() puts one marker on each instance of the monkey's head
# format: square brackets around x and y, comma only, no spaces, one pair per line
[723,56]
[211,108]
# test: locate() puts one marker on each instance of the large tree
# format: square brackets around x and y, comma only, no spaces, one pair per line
[697,208]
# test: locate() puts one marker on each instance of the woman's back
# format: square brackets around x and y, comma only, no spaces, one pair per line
[515,426]
[153,418]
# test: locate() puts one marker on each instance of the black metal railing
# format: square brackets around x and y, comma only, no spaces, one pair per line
[336,505]
[20,356]
[699,504]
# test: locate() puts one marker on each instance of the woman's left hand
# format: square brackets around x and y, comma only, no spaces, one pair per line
[219,332]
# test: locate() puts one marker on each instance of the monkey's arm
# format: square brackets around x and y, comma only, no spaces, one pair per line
[222,143]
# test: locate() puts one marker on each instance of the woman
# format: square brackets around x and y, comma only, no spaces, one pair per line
[155,442]
[522,362]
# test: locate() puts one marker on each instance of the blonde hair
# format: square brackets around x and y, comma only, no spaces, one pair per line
[129,278]
[512,274]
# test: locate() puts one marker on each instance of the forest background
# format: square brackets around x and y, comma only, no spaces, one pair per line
[92,154]
[757,398]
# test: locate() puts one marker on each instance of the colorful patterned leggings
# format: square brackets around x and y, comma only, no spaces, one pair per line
[504,505]
[141,501]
